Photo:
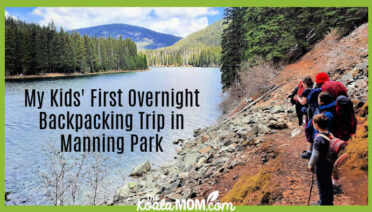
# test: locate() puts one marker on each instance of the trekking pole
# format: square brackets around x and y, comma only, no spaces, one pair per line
[311,188]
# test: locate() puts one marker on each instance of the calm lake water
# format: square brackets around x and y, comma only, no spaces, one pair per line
[24,142]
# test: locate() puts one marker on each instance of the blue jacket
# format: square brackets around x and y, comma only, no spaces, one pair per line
[312,100]
[329,111]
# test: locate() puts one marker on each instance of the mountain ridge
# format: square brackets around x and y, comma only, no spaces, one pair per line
[201,48]
[144,38]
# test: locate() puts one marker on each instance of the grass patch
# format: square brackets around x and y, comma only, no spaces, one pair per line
[255,189]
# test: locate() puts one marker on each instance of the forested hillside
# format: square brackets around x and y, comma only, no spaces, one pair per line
[278,35]
[35,49]
[144,38]
[201,49]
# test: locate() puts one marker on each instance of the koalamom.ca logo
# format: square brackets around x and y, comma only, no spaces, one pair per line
[185,204]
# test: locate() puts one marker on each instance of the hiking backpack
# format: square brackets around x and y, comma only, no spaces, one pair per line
[300,89]
[334,88]
[335,146]
[346,120]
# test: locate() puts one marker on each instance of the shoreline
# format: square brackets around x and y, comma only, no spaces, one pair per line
[65,75]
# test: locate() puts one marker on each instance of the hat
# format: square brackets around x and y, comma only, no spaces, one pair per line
[322,77]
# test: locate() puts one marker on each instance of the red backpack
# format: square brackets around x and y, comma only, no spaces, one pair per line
[301,88]
[334,88]
[335,146]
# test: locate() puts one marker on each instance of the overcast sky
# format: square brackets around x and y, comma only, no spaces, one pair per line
[179,21]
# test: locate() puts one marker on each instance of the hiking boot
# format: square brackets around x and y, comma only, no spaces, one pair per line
[306,154]
[337,189]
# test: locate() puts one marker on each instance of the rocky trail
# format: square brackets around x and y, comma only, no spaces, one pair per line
[290,181]
[254,159]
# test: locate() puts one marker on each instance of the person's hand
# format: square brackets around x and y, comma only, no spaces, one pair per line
[310,168]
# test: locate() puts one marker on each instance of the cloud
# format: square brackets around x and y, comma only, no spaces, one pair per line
[7,15]
[177,21]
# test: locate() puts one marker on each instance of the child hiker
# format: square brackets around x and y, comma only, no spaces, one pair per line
[321,162]
[326,106]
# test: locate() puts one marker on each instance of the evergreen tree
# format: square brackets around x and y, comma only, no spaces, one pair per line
[32,49]
[278,35]
[232,45]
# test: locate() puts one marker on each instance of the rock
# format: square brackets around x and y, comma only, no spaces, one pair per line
[174,197]
[184,175]
[141,169]
[188,161]
[295,132]
[278,125]
[205,138]
[242,133]
[197,132]
[227,149]
[122,192]
[201,161]
[351,85]
[205,150]
[276,109]
[174,185]
[195,175]
[347,78]
[362,66]
[227,142]
[264,159]
[186,193]
[246,120]
[362,84]
[262,129]
[231,164]
[175,142]
[126,190]
[257,141]
[241,147]
[131,185]
[291,110]
[253,131]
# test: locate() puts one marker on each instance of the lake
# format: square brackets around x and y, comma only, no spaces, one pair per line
[24,141]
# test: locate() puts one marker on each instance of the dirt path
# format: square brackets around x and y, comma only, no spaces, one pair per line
[279,154]
[290,183]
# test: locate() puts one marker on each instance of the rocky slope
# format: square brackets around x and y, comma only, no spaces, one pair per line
[255,157]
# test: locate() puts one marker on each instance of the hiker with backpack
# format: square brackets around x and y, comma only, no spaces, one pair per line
[298,97]
[345,127]
[327,107]
[295,91]
[344,124]
[321,161]
[312,97]
[334,88]
[312,104]
[346,118]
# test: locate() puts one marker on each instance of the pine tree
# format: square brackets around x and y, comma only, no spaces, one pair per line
[232,45]
[32,49]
